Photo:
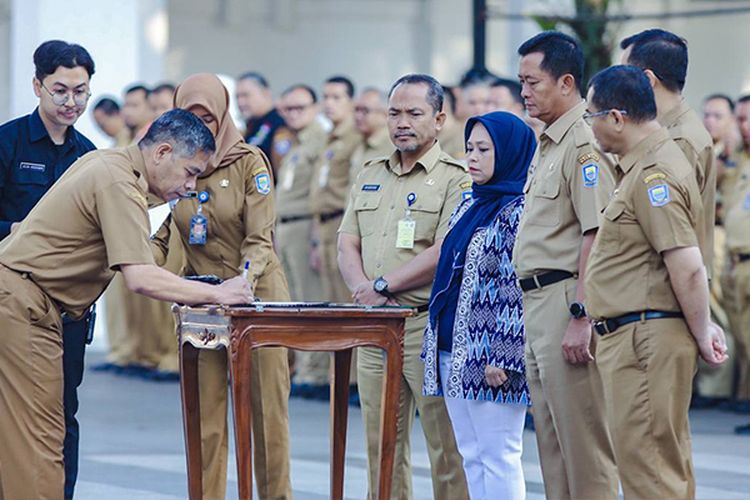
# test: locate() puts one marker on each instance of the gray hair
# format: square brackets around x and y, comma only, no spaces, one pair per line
[183,130]
[435,94]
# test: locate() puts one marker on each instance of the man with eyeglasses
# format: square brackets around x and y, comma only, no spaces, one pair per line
[647,289]
[35,151]
[568,178]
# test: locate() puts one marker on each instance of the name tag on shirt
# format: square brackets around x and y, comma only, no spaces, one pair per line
[36,167]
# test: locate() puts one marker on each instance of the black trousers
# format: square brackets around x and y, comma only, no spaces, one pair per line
[74,346]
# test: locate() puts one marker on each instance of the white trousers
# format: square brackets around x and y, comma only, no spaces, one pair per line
[489,438]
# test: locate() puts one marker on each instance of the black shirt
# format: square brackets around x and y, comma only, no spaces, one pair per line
[260,131]
[30,163]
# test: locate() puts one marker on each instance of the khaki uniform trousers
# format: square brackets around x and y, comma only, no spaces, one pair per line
[32,423]
[446,464]
[718,382]
[334,287]
[270,415]
[647,368]
[293,248]
[741,327]
[575,450]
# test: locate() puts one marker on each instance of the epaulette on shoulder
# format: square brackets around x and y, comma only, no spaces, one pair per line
[375,161]
[582,134]
[446,158]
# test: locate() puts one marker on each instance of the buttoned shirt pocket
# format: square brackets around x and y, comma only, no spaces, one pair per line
[546,203]
[366,207]
[609,232]
[426,215]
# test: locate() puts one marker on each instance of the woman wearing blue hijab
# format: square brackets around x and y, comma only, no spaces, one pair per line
[474,341]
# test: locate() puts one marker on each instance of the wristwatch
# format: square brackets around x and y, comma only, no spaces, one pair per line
[380,285]
[577,310]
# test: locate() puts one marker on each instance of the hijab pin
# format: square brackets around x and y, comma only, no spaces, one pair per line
[224,183]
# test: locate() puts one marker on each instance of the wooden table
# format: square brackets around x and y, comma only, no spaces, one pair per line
[307,327]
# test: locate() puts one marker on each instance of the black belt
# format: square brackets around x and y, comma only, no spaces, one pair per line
[742,257]
[606,326]
[332,215]
[294,218]
[544,279]
[422,308]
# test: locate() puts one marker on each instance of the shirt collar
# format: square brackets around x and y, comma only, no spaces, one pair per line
[560,127]
[632,157]
[139,166]
[672,117]
[427,161]
[37,130]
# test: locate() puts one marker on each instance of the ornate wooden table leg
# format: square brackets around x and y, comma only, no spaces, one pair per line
[240,366]
[389,419]
[191,418]
[339,415]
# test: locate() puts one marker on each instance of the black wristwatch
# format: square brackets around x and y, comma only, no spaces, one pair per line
[380,285]
[577,310]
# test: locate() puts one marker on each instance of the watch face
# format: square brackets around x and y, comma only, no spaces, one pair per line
[577,310]
[380,285]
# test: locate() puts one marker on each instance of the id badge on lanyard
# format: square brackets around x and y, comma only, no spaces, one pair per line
[199,222]
[407,226]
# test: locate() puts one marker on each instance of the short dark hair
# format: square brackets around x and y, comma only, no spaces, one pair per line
[107,105]
[450,98]
[185,131]
[743,99]
[721,97]
[513,87]
[625,88]
[301,86]
[562,54]
[435,95]
[256,77]
[162,87]
[55,53]
[138,87]
[664,53]
[343,81]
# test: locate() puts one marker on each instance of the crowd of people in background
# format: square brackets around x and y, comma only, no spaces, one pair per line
[569,248]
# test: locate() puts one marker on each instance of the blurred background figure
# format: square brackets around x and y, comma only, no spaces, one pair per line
[109,119]
[136,110]
[476,98]
[161,99]
[505,95]
[369,118]
[451,136]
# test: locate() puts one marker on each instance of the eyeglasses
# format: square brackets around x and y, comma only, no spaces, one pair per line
[61,96]
[589,117]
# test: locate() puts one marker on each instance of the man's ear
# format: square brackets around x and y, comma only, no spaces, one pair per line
[440,121]
[161,151]
[37,85]
[619,119]
[653,80]
[567,84]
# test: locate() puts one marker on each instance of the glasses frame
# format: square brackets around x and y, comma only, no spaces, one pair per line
[589,117]
[69,94]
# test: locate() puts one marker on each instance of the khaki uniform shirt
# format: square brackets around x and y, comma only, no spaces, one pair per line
[376,146]
[280,146]
[452,140]
[687,130]
[656,207]
[569,180]
[92,220]
[295,176]
[737,209]
[330,180]
[240,220]
[378,202]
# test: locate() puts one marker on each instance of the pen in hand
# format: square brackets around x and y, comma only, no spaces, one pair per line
[246,270]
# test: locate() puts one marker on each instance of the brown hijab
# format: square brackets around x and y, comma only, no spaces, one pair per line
[205,89]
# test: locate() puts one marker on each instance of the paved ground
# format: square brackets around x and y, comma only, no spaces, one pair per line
[132,448]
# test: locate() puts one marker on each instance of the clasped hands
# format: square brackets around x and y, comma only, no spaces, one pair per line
[365,295]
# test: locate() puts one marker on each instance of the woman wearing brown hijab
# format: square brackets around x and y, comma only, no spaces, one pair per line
[231,223]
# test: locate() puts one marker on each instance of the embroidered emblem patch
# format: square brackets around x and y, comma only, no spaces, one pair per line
[329,154]
[371,187]
[466,195]
[659,195]
[590,173]
[588,156]
[282,147]
[465,185]
[263,183]
[653,177]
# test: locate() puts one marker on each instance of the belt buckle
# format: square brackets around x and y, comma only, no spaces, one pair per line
[604,324]
[536,281]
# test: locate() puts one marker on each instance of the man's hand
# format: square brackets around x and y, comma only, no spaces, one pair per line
[713,345]
[495,376]
[364,294]
[235,291]
[576,342]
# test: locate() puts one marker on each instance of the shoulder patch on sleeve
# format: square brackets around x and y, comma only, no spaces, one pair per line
[259,170]
[465,185]
[590,174]
[658,195]
[263,183]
